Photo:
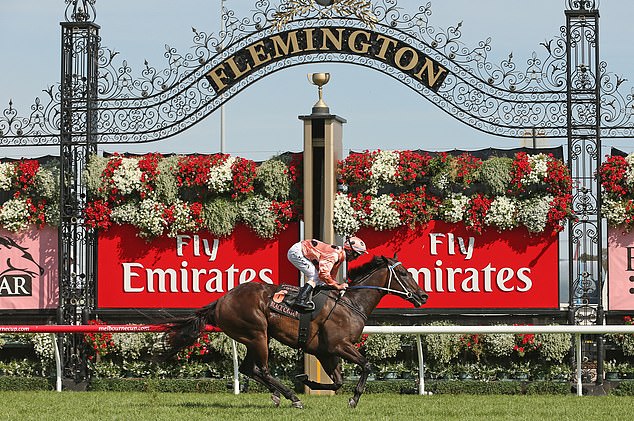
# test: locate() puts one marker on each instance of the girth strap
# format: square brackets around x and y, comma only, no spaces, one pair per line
[304,329]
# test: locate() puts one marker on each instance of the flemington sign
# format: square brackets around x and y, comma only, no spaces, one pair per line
[284,45]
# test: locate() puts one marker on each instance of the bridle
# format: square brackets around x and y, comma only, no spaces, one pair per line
[389,290]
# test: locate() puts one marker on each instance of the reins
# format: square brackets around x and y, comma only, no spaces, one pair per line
[388,290]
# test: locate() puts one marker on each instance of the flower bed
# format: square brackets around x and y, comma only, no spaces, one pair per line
[389,189]
[616,175]
[167,195]
[28,194]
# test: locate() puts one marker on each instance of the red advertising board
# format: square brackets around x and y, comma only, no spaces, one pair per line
[620,269]
[28,269]
[188,271]
[463,270]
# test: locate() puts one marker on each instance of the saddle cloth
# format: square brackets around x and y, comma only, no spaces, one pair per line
[285,296]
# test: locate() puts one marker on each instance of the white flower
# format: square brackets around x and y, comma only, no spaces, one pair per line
[183,221]
[454,207]
[150,218]
[502,213]
[14,215]
[127,176]
[7,170]
[221,177]
[383,170]
[344,220]
[629,173]
[147,215]
[533,213]
[382,215]
[539,169]
[614,211]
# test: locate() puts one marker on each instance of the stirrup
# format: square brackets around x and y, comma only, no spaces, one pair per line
[307,306]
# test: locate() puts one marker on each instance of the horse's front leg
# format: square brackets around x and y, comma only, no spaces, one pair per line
[352,354]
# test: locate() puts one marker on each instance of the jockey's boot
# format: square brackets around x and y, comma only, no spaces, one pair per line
[303,301]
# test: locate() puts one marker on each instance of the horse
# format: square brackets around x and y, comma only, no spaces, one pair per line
[244,315]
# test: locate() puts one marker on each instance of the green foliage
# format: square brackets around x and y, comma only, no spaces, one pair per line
[474,388]
[223,345]
[285,359]
[553,346]
[498,344]
[25,383]
[166,186]
[625,388]
[547,388]
[272,179]
[441,348]
[495,173]
[220,215]
[92,174]
[256,213]
[382,347]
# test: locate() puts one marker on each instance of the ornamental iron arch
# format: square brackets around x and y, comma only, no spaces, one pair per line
[564,92]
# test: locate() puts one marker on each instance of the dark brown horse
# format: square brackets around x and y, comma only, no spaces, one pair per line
[244,315]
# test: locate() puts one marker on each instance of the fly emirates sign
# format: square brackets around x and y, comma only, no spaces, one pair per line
[463,270]
[190,270]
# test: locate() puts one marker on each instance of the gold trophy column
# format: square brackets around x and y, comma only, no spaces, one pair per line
[323,148]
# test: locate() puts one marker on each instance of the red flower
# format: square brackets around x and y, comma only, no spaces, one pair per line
[97,215]
[476,212]
[356,168]
[416,207]
[243,174]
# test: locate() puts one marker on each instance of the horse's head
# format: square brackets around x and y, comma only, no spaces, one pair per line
[399,279]
[390,277]
[15,258]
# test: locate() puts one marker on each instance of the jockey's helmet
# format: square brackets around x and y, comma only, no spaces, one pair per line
[355,244]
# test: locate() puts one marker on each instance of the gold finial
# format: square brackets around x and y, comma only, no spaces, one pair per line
[319,80]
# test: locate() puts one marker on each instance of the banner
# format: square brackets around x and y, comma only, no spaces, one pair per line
[28,269]
[620,269]
[188,271]
[463,270]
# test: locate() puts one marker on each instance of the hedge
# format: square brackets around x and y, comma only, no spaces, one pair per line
[439,387]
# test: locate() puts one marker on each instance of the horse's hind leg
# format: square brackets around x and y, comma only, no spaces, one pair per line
[255,365]
[247,367]
[276,385]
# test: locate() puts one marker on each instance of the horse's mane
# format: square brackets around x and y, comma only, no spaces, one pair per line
[358,272]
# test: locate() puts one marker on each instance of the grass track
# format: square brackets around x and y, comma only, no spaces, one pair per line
[86,406]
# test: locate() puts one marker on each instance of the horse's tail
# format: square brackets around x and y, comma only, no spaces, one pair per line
[184,332]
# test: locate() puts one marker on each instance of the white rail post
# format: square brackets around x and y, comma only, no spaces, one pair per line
[58,364]
[578,346]
[421,366]
[236,373]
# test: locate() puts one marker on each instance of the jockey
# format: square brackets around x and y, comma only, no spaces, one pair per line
[319,262]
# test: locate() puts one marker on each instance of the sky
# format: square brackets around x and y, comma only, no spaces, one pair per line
[262,120]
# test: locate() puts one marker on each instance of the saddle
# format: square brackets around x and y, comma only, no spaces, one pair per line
[283,300]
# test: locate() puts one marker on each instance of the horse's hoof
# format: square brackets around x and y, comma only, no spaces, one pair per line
[276,400]
[352,403]
[298,405]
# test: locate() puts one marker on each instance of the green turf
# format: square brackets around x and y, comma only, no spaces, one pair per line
[85,406]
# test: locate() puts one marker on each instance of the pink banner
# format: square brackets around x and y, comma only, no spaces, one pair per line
[28,269]
[620,269]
